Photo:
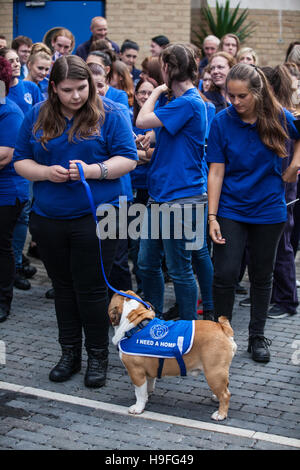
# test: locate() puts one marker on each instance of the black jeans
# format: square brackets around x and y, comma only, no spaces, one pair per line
[262,242]
[8,219]
[70,252]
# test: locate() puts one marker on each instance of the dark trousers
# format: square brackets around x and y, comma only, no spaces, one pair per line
[262,240]
[8,219]
[70,252]
[284,292]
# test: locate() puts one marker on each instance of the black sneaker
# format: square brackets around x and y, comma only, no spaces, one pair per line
[258,347]
[20,280]
[277,312]
[245,302]
[172,313]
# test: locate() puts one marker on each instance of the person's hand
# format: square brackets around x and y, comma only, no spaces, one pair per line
[143,142]
[74,172]
[215,232]
[161,88]
[290,175]
[57,174]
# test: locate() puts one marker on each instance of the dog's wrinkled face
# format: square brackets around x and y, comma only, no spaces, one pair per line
[116,307]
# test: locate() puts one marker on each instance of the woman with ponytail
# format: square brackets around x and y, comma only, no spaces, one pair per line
[246,202]
[176,178]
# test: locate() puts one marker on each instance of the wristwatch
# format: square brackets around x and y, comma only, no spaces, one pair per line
[104,171]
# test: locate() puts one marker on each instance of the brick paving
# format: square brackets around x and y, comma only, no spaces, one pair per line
[265,397]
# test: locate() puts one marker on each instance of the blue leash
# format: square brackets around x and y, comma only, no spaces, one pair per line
[93,209]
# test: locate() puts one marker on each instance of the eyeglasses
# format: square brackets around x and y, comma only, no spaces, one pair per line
[144,93]
[217,67]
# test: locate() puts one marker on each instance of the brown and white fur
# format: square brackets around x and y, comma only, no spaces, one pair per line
[212,352]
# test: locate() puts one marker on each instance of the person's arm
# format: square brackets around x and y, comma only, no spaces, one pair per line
[214,187]
[117,166]
[33,171]
[6,154]
[146,118]
[290,175]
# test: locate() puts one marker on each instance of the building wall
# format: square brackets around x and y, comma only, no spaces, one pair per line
[6,19]
[140,20]
[275,29]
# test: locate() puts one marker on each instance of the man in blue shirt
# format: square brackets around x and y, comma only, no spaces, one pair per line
[99,31]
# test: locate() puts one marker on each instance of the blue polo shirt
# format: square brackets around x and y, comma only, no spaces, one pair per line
[12,186]
[68,200]
[25,94]
[253,189]
[140,173]
[119,96]
[177,167]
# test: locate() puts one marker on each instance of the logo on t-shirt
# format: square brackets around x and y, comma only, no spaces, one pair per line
[159,331]
[28,98]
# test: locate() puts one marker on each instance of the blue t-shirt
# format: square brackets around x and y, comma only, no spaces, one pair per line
[140,173]
[119,96]
[25,94]
[177,168]
[68,200]
[12,185]
[253,189]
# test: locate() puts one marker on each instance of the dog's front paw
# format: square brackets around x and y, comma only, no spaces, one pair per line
[218,416]
[136,409]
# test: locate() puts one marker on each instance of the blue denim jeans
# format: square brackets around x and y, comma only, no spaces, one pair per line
[177,248]
[20,233]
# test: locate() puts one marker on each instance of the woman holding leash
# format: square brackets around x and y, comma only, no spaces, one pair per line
[246,199]
[73,125]
[176,176]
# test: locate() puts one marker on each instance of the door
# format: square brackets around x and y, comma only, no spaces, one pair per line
[34,18]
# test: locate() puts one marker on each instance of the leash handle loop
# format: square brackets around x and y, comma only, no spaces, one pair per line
[93,209]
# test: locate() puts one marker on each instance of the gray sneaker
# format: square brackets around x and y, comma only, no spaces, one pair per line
[245,302]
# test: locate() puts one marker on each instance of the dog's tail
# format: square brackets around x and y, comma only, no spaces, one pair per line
[224,322]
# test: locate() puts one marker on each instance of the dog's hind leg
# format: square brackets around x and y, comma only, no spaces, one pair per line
[141,399]
[218,382]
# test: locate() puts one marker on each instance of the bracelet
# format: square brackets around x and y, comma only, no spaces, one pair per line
[104,171]
[211,214]
[209,221]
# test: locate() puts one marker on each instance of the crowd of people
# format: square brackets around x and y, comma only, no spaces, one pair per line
[205,140]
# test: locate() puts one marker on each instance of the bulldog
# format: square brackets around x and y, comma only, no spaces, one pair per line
[211,351]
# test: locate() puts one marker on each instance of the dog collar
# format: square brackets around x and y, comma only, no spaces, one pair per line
[137,328]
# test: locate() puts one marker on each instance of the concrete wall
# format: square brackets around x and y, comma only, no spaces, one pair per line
[140,20]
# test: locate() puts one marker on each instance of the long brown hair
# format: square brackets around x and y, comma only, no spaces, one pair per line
[87,120]
[271,122]
[124,80]
[281,82]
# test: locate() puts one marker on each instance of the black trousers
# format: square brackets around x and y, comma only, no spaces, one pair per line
[262,241]
[8,219]
[70,252]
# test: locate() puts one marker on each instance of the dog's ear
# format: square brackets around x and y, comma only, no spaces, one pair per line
[115,316]
[115,309]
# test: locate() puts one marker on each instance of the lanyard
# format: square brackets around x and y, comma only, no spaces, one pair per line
[93,209]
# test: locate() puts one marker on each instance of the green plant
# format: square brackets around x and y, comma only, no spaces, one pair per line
[225,21]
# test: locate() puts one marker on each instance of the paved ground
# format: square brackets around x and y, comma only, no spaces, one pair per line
[264,408]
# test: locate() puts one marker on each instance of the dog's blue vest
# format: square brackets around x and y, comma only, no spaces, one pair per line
[162,339]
